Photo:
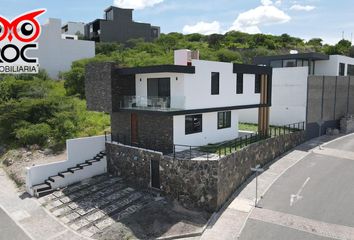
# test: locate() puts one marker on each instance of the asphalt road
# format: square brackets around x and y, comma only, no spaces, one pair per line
[313,200]
[9,229]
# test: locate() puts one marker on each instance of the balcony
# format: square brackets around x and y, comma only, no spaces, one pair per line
[152,103]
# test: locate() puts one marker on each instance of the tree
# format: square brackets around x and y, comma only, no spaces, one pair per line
[75,82]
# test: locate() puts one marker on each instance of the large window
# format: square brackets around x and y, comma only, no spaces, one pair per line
[257,83]
[109,15]
[350,70]
[341,69]
[289,63]
[194,124]
[239,83]
[276,64]
[224,120]
[215,76]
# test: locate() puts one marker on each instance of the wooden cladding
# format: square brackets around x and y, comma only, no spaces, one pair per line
[263,112]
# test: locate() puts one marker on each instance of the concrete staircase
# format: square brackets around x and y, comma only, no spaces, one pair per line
[67,177]
[91,206]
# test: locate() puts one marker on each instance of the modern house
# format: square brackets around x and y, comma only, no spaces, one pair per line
[291,74]
[57,51]
[73,28]
[118,26]
[193,102]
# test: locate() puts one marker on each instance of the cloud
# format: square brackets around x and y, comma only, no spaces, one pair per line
[265,14]
[136,4]
[206,28]
[298,7]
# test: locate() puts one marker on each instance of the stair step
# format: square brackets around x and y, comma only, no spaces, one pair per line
[103,152]
[82,165]
[44,193]
[42,187]
[54,178]
[92,161]
[73,169]
[66,173]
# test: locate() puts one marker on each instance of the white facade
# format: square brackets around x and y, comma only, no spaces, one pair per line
[56,54]
[289,96]
[73,28]
[210,132]
[331,67]
[193,91]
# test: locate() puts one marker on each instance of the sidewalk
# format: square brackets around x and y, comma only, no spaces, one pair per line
[29,215]
[231,219]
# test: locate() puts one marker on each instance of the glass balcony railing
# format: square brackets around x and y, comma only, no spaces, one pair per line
[152,103]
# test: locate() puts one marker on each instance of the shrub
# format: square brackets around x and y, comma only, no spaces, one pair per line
[33,134]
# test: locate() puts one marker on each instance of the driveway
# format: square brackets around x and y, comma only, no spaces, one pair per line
[312,200]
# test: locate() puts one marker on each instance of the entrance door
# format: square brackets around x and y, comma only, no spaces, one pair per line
[134,129]
[155,173]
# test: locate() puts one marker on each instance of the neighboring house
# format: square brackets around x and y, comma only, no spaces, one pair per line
[118,26]
[290,83]
[73,28]
[192,102]
[56,52]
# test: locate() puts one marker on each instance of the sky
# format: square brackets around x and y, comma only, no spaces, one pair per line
[326,19]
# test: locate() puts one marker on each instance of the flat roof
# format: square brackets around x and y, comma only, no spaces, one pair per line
[309,56]
[156,69]
[251,69]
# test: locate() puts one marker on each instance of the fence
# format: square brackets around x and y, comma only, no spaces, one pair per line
[218,150]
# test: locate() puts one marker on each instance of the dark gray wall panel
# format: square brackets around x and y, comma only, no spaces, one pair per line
[342,97]
[351,96]
[329,96]
[314,103]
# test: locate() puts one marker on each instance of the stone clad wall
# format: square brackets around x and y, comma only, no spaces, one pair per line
[235,168]
[193,183]
[196,183]
[347,124]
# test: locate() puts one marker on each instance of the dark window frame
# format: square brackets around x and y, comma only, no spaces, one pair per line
[239,83]
[193,124]
[350,70]
[224,119]
[257,83]
[215,83]
[341,69]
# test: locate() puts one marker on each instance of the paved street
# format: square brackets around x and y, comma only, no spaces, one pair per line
[312,200]
[9,229]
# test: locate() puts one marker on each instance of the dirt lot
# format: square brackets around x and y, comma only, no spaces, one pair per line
[160,219]
[15,162]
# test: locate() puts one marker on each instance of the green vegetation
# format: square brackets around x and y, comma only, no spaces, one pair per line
[248,127]
[231,47]
[35,110]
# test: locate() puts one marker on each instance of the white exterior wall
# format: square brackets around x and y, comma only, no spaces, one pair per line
[289,96]
[331,67]
[176,83]
[210,132]
[56,54]
[197,87]
[78,151]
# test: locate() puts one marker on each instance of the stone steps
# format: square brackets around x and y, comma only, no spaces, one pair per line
[81,193]
[93,200]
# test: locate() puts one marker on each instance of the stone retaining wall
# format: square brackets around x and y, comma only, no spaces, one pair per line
[235,168]
[347,124]
[197,183]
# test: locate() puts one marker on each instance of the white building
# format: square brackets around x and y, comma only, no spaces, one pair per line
[57,52]
[289,86]
[73,28]
[194,102]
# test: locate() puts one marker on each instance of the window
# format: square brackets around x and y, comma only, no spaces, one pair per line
[350,70]
[306,63]
[276,64]
[289,63]
[193,124]
[341,69]
[299,63]
[239,84]
[215,76]
[224,120]
[257,83]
